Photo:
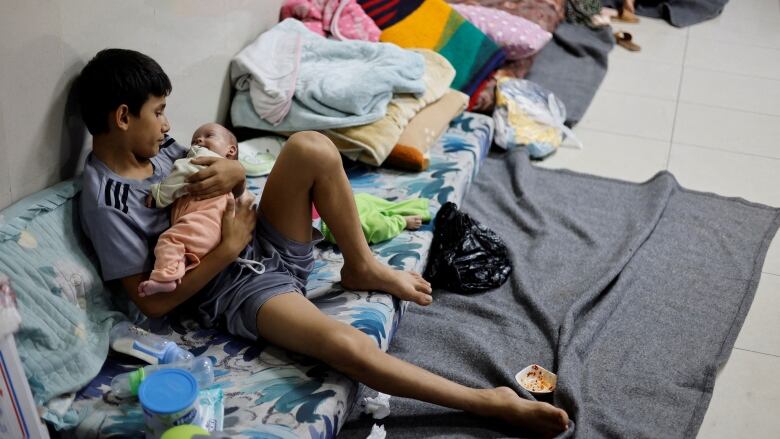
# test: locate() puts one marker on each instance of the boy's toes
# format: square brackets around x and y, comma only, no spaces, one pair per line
[423,299]
[423,286]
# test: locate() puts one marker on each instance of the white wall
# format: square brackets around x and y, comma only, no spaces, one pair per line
[44,44]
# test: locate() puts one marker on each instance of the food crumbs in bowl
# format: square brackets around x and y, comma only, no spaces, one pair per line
[537,379]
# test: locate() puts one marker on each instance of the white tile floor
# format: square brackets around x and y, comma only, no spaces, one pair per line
[704,103]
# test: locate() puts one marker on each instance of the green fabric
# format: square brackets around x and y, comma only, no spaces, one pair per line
[381,219]
[66,310]
[462,50]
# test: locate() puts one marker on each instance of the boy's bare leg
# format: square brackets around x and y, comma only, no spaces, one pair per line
[291,321]
[309,169]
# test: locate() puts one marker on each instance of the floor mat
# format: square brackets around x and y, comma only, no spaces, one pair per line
[572,66]
[633,293]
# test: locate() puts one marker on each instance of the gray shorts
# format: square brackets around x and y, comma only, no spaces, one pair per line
[234,296]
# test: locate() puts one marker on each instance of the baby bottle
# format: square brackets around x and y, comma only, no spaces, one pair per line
[132,340]
[126,384]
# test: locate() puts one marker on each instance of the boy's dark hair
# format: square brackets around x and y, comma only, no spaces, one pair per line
[115,77]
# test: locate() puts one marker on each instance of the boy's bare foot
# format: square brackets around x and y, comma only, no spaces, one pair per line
[149,287]
[540,417]
[413,222]
[405,285]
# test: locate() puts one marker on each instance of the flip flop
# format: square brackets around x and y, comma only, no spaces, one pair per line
[624,39]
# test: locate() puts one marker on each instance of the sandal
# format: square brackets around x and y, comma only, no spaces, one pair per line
[627,17]
[624,39]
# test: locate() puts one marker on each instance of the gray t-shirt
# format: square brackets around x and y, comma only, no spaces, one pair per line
[124,233]
[115,218]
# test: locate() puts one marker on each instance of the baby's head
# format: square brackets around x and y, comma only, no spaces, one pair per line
[216,138]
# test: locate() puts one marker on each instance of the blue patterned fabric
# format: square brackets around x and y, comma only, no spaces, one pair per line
[272,393]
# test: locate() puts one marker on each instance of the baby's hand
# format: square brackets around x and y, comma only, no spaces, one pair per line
[149,201]
[246,198]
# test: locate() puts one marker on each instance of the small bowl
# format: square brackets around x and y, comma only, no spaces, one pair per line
[537,380]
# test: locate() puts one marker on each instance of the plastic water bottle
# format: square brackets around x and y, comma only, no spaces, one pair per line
[152,348]
[126,385]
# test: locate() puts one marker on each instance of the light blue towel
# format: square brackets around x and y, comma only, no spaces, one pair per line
[339,83]
[66,311]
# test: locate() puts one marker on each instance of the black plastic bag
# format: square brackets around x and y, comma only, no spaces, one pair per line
[466,256]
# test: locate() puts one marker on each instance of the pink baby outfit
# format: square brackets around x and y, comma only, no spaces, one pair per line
[196,229]
[344,19]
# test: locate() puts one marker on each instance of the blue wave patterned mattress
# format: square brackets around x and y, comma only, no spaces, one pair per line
[269,392]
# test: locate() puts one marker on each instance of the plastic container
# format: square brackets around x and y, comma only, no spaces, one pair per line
[126,385]
[185,432]
[537,380]
[132,340]
[168,399]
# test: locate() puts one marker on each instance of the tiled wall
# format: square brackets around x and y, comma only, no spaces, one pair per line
[44,44]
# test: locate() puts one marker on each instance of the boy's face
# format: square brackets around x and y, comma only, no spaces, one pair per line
[147,130]
[215,138]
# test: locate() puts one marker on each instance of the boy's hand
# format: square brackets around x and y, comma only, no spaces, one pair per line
[238,224]
[220,177]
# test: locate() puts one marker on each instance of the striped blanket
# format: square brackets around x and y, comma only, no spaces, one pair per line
[433,24]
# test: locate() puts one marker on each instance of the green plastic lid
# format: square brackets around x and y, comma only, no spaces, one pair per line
[184,432]
[136,378]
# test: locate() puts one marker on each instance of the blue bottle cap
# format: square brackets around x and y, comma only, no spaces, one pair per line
[174,353]
[168,391]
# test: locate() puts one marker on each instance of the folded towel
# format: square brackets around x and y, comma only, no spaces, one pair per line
[372,143]
[337,83]
[268,69]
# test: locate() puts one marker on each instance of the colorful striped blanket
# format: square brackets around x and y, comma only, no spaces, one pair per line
[433,24]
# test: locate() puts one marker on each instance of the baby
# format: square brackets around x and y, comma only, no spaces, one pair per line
[195,225]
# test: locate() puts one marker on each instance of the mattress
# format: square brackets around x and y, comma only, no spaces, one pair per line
[268,391]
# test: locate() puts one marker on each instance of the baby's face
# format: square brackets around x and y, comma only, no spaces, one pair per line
[215,138]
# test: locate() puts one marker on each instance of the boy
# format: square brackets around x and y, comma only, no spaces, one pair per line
[122,95]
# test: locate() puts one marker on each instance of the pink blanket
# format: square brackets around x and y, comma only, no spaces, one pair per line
[343,19]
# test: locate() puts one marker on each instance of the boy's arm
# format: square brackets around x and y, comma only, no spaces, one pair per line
[220,177]
[238,223]
[157,305]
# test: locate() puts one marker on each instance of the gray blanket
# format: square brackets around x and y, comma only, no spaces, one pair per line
[679,13]
[633,293]
[573,65]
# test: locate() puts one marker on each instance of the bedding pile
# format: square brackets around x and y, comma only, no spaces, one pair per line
[292,78]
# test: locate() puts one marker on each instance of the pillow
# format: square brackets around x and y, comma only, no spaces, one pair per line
[520,38]
[433,24]
[424,130]
[66,310]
